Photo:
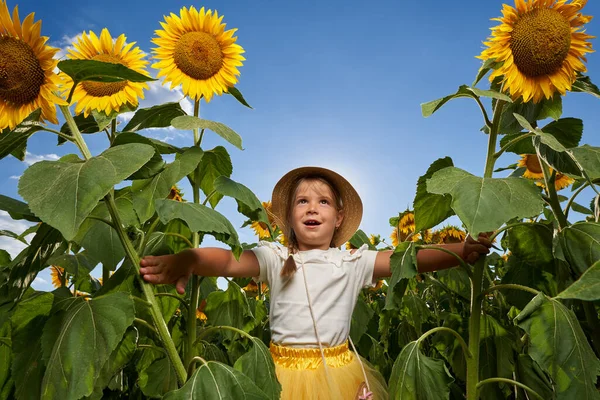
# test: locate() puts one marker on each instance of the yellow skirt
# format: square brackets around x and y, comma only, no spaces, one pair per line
[303,377]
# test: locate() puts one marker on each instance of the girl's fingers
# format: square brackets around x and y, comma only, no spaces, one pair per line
[149,261]
[151,270]
[181,284]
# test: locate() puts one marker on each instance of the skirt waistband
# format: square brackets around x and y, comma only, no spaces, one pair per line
[310,358]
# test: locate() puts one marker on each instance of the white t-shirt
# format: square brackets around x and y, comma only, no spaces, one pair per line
[335,278]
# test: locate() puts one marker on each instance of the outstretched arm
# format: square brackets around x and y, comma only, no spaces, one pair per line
[210,261]
[429,260]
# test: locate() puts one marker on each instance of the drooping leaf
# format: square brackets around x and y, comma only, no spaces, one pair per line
[216,381]
[146,191]
[6,380]
[202,219]
[154,117]
[258,365]
[496,357]
[80,265]
[215,163]
[17,209]
[175,243]
[360,319]
[521,273]
[84,124]
[555,154]
[589,159]
[431,209]
[227,308]
[189,122]
[486,67]
[155,165]
[532,243]
[580,244]
[359,238]
[415,310]
[248,203]
[485,204]
[523,146]
[13,235]
[63,194]
[5,258]
[95,328]
[235,92]
[427,109]
[403,264]
[530,374]
[418,377]
[457,280]
[584,84]
[587,287]
[16,140]
[557,343]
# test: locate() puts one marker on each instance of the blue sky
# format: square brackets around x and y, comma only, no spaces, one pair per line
[333,83]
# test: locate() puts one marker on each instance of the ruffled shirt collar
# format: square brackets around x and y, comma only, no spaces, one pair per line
[332,255]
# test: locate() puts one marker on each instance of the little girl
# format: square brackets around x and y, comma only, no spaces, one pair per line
[313,284]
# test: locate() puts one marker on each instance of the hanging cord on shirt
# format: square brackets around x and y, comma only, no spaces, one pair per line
[367,394]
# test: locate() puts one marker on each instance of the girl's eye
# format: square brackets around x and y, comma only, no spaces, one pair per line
[301,201]
[324,201]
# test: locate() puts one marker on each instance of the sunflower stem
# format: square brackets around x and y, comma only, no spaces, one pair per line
[511,143]
[549,179]
[491,151]
[195,296]
[133,257]
[510,382]
[474,330]
[572,199]
[62,135]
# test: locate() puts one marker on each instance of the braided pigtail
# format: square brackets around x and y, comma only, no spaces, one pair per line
[289,267]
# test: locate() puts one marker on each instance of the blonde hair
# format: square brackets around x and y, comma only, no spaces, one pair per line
[289,267]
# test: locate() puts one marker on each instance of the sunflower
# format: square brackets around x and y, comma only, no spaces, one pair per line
[106,96]
[281,239]
[541,45]
[260,228]
[252,287]
[56,274]
[451,234]
[375,239]
[378,286]
[533,170]
[200,315]
[175,194]
[407,223]
[195,50]
[349,246]
[27,77]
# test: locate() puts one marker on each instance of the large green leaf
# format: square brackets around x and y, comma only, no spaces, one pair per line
[557,343]
[589,159]
[202,219]
[567,131]
[17,209]
[79,265]
[523,146]
[248,203]
[485,204]
[431,209]
[584,84]
[146,191]
[403,264]
[360,319]
[415,310]
[532,243]
[587,287]
[530,374]
[530,111]
[84,124]
[258,365]
[427,109]
[227,308]
[63,194]
[496,357]
[189,122]
[15,140]
[215,163]
[360,238]
[418,377]
[158,378]
[521,273]
[555,154]
[153,166]
[6,380]
[27,322]
[154,117]
[580,244]
[215,381]
[94,328]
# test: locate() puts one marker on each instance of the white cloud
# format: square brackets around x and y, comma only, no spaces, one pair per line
[13,246]
[31,158]
[64,45]
[39,280]
[15,177]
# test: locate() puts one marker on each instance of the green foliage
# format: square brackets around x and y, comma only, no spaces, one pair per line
[258,365]
[215,163]
[431,209]
[154,117]
[587,287]
[403,264]
[580,244]
[14,142]
[228,308]
[188,122]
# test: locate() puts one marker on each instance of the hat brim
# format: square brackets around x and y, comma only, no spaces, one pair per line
[351,203]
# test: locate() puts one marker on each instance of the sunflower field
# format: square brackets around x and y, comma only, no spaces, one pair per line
[522,323]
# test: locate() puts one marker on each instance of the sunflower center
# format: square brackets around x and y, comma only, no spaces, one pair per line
[101,89]
[540,41]
[533,164]
[198,55]
[21,75]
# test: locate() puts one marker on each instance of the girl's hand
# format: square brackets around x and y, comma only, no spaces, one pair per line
[170,269]
[473,249]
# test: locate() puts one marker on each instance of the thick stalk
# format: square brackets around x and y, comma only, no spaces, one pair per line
[133,257]
[474,330]
[195,295]
[492,140]
[549,178]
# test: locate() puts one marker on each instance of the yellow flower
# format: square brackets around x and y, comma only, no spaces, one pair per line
[252,287]
[378,286]
[56,274]
[27,77]
[261,228]
[407,223]
[374,239]
[175,194]
[195,50]
[451,234]
[281,239]
[349,246]
[534,171]
[106,96]
[200,315]
[542,47]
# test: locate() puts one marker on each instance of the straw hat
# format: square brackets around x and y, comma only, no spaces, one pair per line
[351,203]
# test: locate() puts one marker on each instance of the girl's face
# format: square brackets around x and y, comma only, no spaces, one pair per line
[314,215]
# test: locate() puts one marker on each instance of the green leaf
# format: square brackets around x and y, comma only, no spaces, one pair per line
[431,209]
[104,120]
[248,203]
[555,154]
[97,71]
[158,378]
[585,85]
[13,236]
[557,343]
[63,194]
[415,310]
[493,94]
[155,165]
[486,66]
[5,258]
[154,117]
[227,308]
[589,159]
[496,357]
[568,131]
[403,264]
[418,377]
[532,243]
[16,140]
[94,328]
[581,245]
[165,148]
[524,123]
[215,381]
[359,238]
[189,122]
[145,192]
[427,109]
[215,163]
[79,265]
[551,108]
[485,204]
[587,287]
[177,244]
[523,146]
[17,209]
[238,96]
[360,319]
[530,111]
[530,374]
[84,124]
[521,273]
[457,280]
[258,365]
